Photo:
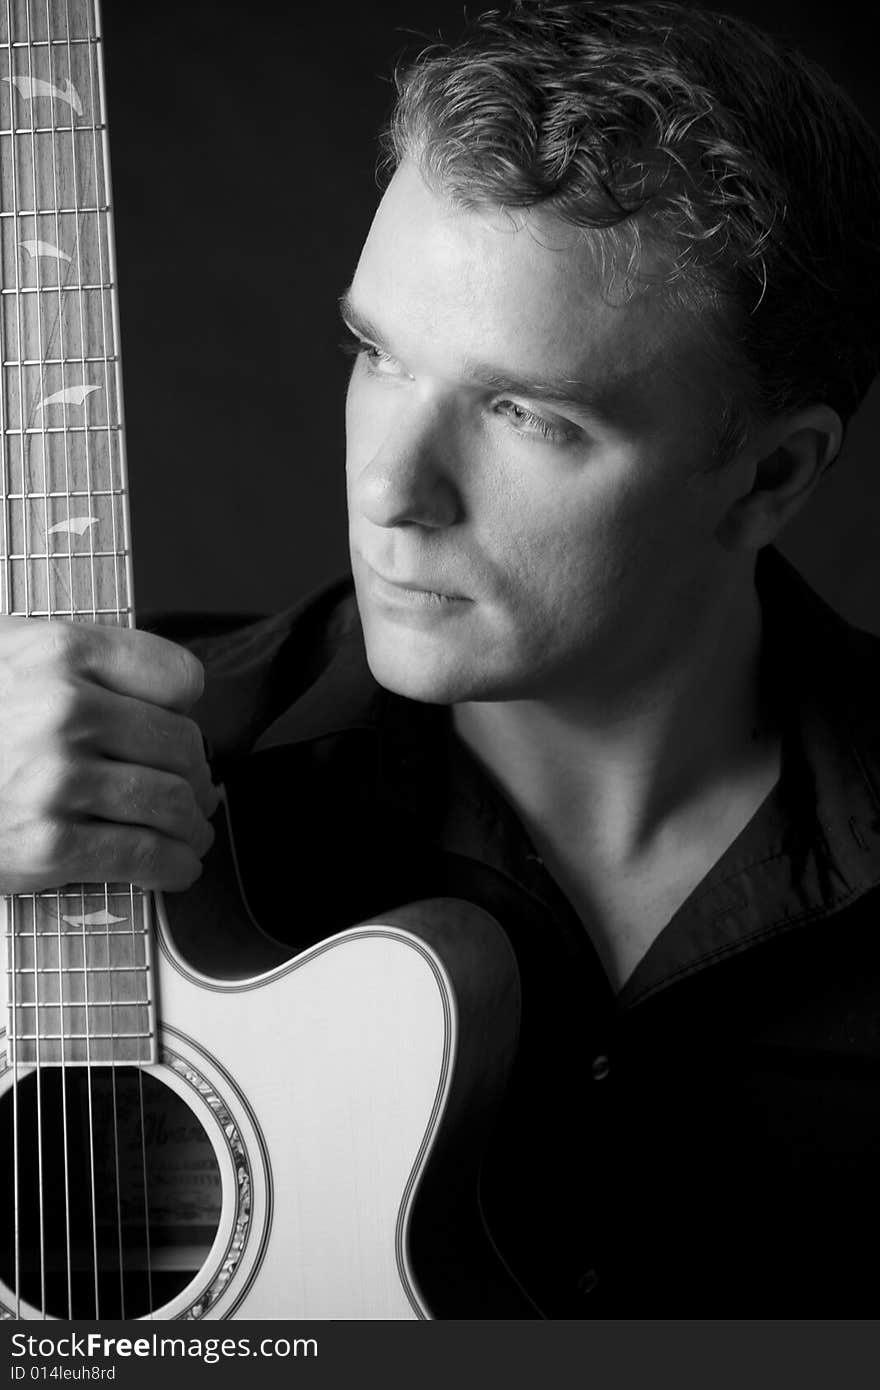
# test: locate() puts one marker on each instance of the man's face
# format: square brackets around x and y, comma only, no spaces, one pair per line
[532,496]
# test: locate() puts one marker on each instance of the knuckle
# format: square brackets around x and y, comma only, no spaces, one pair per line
[191,745]
[179,803]
[57,784]
[127,792]
[192,674]
[162,864]
[63,706]
[51,846]
[182,674]
[147,857]
[64,642]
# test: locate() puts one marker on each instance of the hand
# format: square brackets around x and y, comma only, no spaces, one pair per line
[103,778]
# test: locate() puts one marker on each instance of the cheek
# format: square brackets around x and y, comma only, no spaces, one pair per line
[559,531]
[366,422]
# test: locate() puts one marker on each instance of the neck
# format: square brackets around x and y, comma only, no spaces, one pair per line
[615,764]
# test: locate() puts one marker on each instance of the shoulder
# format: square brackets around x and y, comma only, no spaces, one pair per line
[258,668]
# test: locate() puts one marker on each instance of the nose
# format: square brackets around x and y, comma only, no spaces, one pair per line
[408,476]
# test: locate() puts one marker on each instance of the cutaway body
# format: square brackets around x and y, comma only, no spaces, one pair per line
[307,1145]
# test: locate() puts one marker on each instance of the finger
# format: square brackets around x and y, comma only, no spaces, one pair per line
[146,666]
[95,851]
[132,731]
[130,662]
[160,801]
[133,854]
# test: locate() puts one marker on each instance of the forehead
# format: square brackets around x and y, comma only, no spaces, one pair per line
[519,287]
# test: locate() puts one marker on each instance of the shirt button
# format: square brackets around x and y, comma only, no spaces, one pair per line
[601,1067]
[587,1282]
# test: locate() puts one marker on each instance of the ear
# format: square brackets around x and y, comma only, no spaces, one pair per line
[787,457]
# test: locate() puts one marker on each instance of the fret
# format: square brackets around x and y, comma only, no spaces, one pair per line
[80,969]
[55,212]
[43,43]
[49,129]
[104,894]
[69,933]
[81,1037]
[57,361]
[82,893]
[41,496]
[90,615]
[41,556]
[64,429]
[65,902]
[55,290]
[66,931]
[74,933]
[91,555]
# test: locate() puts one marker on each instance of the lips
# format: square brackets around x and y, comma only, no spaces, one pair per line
[419,588]
[431,588]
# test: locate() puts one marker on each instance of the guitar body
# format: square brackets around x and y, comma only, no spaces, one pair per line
[311,1135]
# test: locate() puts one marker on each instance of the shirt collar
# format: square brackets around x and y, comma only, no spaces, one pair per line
[812,848]
[342,698]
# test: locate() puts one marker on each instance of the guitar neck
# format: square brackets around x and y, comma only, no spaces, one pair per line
[77,960]
[65,532]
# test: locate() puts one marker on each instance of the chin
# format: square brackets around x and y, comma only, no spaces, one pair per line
[429,683]
[421,670]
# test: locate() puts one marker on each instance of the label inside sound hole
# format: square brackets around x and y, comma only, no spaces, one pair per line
[147,1128]
[119,1192]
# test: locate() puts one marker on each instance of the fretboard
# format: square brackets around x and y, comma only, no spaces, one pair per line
[78,980]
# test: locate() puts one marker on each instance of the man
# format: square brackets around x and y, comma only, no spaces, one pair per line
[615,309]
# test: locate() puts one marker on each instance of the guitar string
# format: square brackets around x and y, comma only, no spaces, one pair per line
[27,439]
[90,1088]
[47,482]
[27,455]
[6,600]
[138,900]
[98,114]
[14,904]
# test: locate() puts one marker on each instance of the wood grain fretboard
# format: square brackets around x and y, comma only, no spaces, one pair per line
[79,957]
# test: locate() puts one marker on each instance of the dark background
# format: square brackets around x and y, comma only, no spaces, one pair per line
[243,152]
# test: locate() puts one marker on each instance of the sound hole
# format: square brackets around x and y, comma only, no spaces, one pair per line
[131,1213]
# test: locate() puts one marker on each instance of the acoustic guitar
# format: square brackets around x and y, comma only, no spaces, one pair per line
[193,1124]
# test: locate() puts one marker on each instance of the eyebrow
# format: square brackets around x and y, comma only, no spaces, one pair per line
[559,390]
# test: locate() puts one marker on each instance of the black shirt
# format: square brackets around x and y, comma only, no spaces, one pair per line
[704,1143]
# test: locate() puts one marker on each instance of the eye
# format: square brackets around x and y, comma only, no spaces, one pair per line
[376,361]
[526,422]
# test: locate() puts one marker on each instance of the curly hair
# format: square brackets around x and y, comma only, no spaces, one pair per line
[694,133]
